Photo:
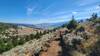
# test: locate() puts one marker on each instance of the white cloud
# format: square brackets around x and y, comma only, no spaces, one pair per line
[29,11]
[98,7]
[31,7]
[74,13]
[86,2]
[65,16]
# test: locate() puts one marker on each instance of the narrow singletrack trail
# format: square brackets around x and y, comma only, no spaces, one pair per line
[53,50]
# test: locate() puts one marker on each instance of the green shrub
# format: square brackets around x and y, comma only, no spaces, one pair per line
[72,24]
[80,29]
[8,43]
[98,29]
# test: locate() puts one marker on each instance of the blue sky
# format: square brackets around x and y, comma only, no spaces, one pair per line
[46,11]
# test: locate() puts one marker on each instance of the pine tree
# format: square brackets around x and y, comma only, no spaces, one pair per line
[37,36]
[72,24]
[31,36]
[94,16]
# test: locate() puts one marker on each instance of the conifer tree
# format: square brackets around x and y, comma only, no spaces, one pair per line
[72,24]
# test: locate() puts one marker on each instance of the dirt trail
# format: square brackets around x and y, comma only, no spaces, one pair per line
[53,50]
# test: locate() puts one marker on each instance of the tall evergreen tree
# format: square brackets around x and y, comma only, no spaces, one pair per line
[93,17]
[72,24]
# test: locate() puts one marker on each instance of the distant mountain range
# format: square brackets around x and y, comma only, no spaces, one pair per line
[49,25]
[40,26]
[26,25]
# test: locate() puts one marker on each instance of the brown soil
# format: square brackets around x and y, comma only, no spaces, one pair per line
[53,50]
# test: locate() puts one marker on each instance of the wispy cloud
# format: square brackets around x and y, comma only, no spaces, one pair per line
[86,2]
[63,15]
[92,9]
[74,13]
[87,12]
[31,7]
[60,18]
[98,7]
[45,11]
[29,11]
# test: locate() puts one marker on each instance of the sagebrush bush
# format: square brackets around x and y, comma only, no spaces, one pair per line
[98,29]
[80,29]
